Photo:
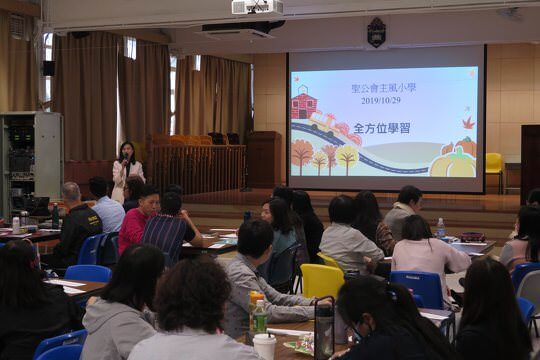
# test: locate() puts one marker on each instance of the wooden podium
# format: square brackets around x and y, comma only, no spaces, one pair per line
[530,159]
[263,159]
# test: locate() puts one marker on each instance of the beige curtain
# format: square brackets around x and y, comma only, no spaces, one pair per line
[84,91]
[144,91]
[216,98]
[18,68]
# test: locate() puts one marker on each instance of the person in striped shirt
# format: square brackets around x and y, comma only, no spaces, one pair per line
[170,228]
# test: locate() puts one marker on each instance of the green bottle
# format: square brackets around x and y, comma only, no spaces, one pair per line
[259,318]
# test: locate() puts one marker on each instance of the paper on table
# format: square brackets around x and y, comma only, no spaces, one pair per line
[433,316]
[50,230]
[470,243]
[216,246]
[229,236]
[63,282]
[186,244]
[476,254]
[69,290]
[223,230]
[288,332]
[21,236]
[387,258]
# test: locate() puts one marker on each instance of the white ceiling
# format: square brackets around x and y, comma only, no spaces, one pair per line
[65,15]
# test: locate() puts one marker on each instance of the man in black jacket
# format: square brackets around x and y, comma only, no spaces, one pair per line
[80,223]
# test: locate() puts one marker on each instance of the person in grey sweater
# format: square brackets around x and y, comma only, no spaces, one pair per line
[119,320]
[409,202]
[254,248]
[189,302]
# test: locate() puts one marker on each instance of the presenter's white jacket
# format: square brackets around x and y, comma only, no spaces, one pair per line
[119,178]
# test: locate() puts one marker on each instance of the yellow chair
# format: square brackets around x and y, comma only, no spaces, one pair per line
[494,166]
[328,261]
[321,280]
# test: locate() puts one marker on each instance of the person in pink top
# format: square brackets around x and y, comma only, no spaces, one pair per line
[132,227]
[419,251]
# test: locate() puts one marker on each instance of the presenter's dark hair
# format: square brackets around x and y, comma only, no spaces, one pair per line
[283,192]
[281,215]
[98,186]
[408,193]
[134,278]
[488,291]
[192,294]
[393,309]
[341,210]
[21,283]
[254,237]
[416,228]
[529,230]
[121,156]
[171,203]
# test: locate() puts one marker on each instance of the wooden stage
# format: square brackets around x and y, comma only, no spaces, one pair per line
[493,215]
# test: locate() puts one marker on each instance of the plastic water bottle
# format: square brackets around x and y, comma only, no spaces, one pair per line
[441,231]
[16,226]
[260,318]
[55,217]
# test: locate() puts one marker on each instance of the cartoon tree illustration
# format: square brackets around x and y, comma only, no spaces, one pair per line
[343,128]
[320,161]
[347,156]
[302,152]
[330,152]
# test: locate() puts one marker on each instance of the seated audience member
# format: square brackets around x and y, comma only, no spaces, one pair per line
[81,222]
[369,222]
[254,248]
[387,320]
[419,251]
[491,324]
[31,310]
[175,188]
[525,246]
[313,227]
[409,202]
[348,246]
[132,192]
[286,193]
[190,302]
[109,211]
[276,212]
[132,228]
[170,227]
[117,320]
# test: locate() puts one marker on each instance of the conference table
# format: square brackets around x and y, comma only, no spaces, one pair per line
[438,317]
[36,237]
[225,245]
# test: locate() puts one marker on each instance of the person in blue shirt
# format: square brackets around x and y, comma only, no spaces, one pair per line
[109,211]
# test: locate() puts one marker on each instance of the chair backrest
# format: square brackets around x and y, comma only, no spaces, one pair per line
[217,138]
[75,337]
[527,309]
[520,271]
[89,253]
[427,285]
[66,352]
[328,261]
[321,280]
[529,288]
[233,139]
[282,266]
[493,162]
[96,273]
[108,249]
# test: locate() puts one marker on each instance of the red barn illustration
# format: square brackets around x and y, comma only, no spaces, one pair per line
[303,105]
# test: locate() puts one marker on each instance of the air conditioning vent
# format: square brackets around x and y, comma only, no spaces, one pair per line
[17,26]
[235,35]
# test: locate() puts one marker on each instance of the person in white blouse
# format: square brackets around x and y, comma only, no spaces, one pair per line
[125,166]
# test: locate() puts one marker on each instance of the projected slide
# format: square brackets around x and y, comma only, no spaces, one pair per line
[400,122]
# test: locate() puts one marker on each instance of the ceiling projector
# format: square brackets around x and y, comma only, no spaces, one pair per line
[243,7]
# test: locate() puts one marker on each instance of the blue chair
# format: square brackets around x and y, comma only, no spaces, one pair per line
[108,249]
[75,337]
[96,273]
[89,253]
[520,271]
[279,271]
[2,245]
[66,352]
[427,285]
[527,309]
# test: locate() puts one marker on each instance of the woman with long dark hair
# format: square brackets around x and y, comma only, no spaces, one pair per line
[117,320]
[31,310]
[369,222]
[491,325]
[525,246]
[276,212]
[313,227]
[387,320]
[125,166]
